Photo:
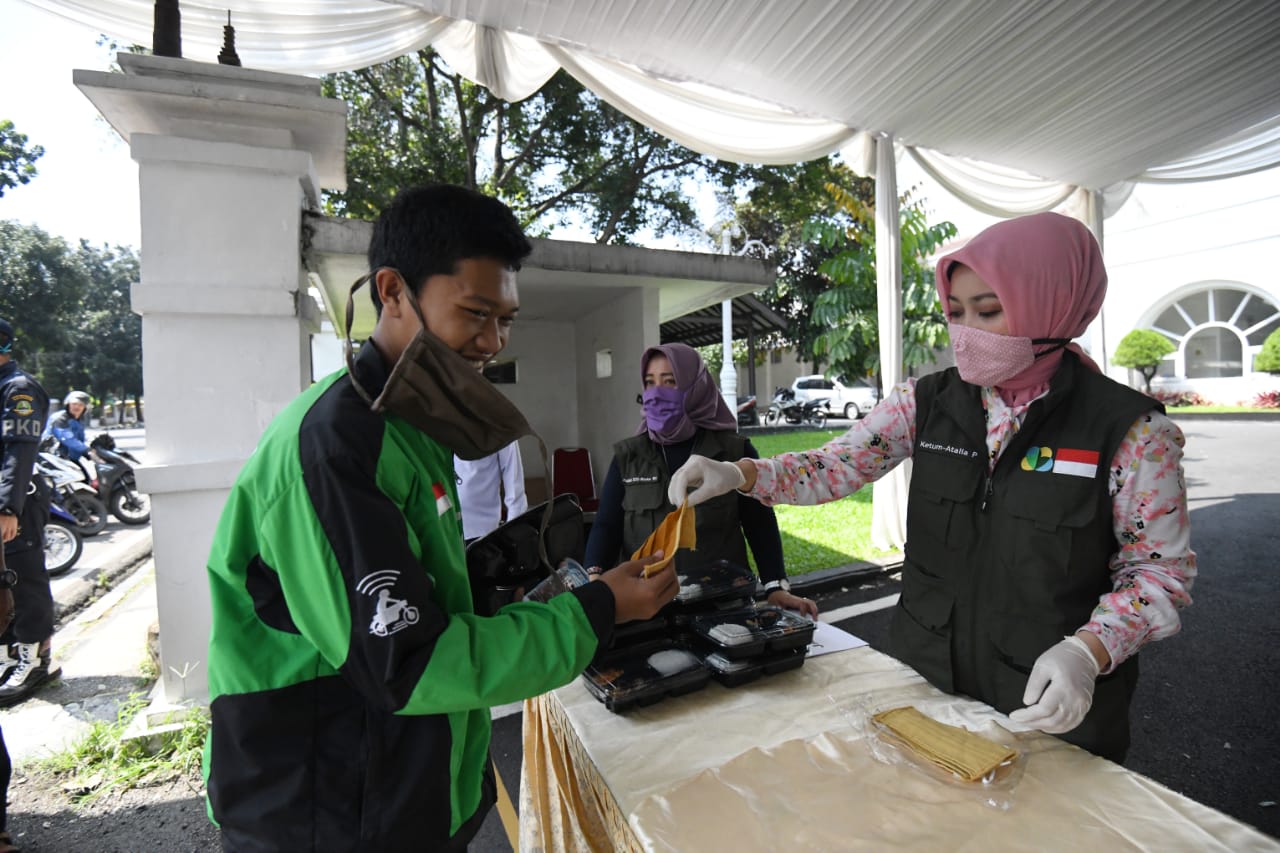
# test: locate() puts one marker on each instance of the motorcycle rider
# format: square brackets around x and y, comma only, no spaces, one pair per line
[24,509]
[67,427]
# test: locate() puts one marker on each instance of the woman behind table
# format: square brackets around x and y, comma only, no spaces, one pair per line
[683,414]
[1047,530]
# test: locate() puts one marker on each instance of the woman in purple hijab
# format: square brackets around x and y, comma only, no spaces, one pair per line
[683,414]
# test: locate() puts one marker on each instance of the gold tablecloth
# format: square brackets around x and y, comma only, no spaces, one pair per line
[782,763]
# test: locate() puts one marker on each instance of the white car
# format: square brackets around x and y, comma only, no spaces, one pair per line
[852,401]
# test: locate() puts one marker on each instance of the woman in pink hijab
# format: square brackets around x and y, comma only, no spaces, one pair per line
[1047,530]
[684,414]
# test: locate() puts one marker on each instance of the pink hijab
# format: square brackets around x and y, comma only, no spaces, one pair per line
[1047,270]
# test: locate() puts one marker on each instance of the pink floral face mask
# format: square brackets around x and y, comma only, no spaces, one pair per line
[988,359]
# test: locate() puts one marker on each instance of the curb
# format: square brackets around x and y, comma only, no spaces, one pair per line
[826,580]
[1225,416]
[77,594]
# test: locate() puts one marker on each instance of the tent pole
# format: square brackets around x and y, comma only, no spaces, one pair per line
[889,497]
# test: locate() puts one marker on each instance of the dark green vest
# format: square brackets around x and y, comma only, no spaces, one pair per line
[644,500]
[1000,568]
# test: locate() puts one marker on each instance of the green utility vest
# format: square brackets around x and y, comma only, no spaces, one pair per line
[1000,568]
[644,501]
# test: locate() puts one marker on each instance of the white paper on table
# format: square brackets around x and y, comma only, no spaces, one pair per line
[827,638]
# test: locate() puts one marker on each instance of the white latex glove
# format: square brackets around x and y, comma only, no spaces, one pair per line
[1061,686]
[708,479]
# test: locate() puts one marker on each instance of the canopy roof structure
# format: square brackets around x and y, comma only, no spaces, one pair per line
[752,320]
[1076,93]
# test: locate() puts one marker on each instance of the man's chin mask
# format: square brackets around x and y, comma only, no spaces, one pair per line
[441,393]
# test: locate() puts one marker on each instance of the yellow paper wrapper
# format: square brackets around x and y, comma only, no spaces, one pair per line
[956,750]
[676,531]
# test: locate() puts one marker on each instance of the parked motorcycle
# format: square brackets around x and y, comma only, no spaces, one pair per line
[786,408]
[117,487]
[62,542]
[73,491]
[748,415]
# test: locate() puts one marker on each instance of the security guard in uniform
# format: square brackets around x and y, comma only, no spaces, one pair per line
[24,510]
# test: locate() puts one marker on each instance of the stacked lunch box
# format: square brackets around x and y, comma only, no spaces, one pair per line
[711,630]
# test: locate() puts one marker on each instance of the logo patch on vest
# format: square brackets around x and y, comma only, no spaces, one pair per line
[1076,463]
[1065,460]
[1038,459]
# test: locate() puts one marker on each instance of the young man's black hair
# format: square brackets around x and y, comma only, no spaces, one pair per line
[426,230]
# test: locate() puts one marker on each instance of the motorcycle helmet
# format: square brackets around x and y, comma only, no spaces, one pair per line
[76,397]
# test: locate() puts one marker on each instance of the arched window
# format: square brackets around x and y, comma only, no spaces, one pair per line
[1218,329]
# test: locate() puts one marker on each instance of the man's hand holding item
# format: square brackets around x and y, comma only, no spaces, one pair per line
[708,478]
[638,597]
[1060,690]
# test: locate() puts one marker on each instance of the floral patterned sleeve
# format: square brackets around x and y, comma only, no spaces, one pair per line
[1155,567]
[870,449]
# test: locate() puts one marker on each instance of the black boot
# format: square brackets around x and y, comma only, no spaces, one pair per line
[8,661]
[32,671]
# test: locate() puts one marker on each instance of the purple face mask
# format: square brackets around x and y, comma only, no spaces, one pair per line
[664,414]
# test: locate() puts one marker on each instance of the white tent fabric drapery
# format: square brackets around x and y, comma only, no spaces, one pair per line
[318,36]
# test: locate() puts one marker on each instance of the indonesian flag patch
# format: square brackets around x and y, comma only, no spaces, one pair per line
[1076,463]
[443,503]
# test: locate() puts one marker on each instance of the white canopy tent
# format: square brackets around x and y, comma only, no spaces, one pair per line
[1067,96]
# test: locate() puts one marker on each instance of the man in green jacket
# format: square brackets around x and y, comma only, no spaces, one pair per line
[350,679]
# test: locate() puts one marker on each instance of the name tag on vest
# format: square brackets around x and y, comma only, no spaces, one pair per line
[629,481]
[948,449]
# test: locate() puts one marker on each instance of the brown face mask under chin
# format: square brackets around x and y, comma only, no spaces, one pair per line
[441,393]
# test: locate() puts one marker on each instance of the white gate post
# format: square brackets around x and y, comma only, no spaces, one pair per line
[228,159]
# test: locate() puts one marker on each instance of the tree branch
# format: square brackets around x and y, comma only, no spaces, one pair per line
[467,143]
[500,178]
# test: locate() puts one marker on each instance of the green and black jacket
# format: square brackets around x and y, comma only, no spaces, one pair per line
[350,681]
[999,568]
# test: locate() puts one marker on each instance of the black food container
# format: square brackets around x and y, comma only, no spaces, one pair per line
[644,674]
[753,631]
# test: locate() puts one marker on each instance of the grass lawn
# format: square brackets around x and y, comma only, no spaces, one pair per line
[1216,410]
[820,537]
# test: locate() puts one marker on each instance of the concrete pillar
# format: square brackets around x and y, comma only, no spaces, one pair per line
[228,160]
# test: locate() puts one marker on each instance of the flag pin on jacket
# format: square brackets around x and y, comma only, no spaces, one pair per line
[443,504]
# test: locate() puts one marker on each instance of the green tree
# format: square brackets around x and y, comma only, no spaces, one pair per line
[1268,359]
[17,157]
[108,344]
[778,204]
[1143,350]
[45,283]
[845,314]
[70,311]
[561,156]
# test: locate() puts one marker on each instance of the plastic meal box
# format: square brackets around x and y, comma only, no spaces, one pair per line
[753,631]
[732,673]
[628,678]
[703,584]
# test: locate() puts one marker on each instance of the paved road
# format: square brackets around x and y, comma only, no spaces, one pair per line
[103,551]
[1204,720]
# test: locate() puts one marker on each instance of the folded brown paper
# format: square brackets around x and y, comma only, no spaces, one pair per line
[675,532]
[956,750]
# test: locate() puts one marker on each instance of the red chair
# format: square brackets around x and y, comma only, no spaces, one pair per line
[571,474]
